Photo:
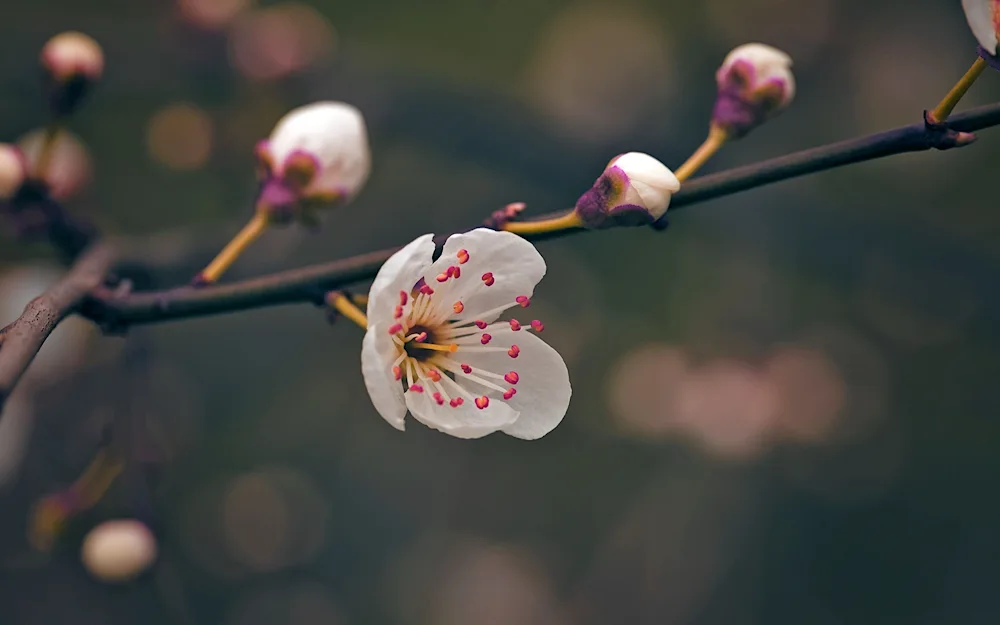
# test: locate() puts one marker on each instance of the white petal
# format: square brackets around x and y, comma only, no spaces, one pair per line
[654,200]
[514,262]
[465,421]
[768,62]
[651,183]
[979,14]
[332,132]
[378,352]
[543,390]
[399,273]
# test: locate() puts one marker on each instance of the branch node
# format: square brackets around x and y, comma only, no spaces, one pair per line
[940,136]
[500,218]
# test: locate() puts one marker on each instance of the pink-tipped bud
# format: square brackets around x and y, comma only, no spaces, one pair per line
[119,550]
[72,62]
[755,83]
[634,190]
[13,170]
[317,153]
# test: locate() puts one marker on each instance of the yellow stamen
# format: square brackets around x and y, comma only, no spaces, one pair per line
[342,304]
[947,105]
[250,233]
[563,222]
[716,138]
[360,300]
[439,348]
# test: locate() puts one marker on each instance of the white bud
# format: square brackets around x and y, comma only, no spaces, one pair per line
[650,182]
[327,143]
[633,190]
[755,82]
[73,55]
[13,170]
[119,550]
[984,20]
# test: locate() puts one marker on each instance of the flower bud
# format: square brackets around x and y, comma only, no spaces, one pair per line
[755,83]
[13,170]
[984,20]
[72,62]
[68,168]
[119,550]
[634,190]
[316,154]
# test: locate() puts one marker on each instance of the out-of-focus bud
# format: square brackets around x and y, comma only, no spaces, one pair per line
[13,170]
[68,167]
[755,83]
[984,20]
[73,62]
[119,550]
[634,190]
[317,154]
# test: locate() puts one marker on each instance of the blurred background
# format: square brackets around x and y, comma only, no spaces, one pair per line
[785,406]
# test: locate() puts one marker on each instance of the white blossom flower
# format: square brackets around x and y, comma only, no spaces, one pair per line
[118,550]
[755,83]
[633,190]
[435,346]
[984,20]
[13,170]
[316,152]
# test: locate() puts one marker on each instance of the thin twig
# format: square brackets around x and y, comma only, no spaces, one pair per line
[301,285]
[25,336]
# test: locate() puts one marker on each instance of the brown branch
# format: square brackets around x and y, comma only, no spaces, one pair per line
[24,337]
[302,285]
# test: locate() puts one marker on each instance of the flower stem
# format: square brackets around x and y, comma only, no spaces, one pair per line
[713,142]
[51,514]
[563,222]
[96,480]
[48,148]
[941,112]
[343,304]
[250,233]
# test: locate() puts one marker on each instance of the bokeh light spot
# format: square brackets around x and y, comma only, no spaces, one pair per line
[212,14]
[273,519]
[276,41]
[729,407]
[180,137]
[644,388]
[599,70]
[811,393]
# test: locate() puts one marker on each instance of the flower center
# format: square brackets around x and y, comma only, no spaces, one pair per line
[435,337]
[416,348]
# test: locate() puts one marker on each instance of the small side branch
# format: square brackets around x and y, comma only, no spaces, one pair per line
[22,339]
